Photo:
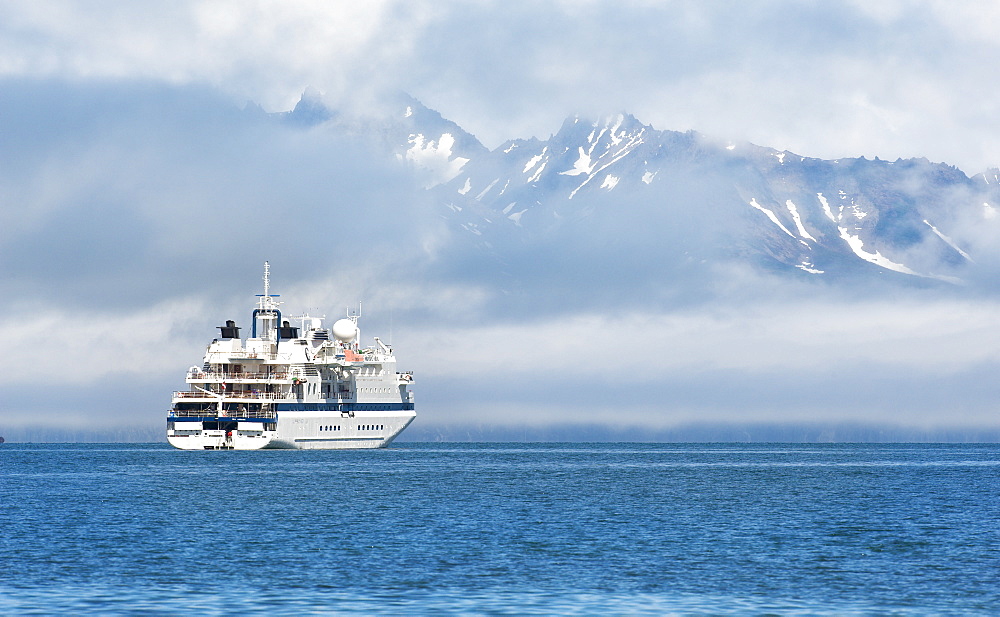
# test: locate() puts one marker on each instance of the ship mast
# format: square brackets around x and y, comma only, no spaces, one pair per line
[267,279]
[267,309]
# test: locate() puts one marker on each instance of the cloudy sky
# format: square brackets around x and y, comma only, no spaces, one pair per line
[139,197]
[894,78]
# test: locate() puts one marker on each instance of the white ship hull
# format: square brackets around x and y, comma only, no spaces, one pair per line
[297,431]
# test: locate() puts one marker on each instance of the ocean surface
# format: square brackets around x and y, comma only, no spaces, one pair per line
[504,529]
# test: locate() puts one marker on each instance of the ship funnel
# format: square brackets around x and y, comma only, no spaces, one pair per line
[229,330]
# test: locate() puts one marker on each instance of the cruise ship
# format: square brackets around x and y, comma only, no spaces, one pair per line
[285,386]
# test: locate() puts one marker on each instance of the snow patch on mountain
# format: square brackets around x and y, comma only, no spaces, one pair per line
[435,157]
[582,165]
[538,173]
[620,145]
[770,215]
[798,220]
[826,207]
[948,241]
[534,160]
[486,190]
[807,266]
[857,245]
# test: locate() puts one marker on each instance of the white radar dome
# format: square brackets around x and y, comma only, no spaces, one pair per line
[345,330]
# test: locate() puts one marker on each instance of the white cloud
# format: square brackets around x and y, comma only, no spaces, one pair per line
[79,347]
[796,336]
[831,80]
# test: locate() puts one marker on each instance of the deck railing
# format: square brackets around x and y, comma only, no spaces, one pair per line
[270,396]
[248,355]
[226,413]
[216,375]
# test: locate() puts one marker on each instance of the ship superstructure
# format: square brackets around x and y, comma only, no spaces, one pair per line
[291,387]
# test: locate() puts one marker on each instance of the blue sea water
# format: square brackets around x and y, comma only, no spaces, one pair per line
[467,528]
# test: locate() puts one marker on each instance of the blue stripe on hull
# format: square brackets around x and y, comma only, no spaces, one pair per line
[343,407]
[219,419]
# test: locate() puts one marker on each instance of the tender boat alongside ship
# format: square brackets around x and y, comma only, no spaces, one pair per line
[291,387]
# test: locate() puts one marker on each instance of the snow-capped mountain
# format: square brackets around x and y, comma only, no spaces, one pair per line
[618,188]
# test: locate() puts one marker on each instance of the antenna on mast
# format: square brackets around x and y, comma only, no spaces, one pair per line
[267,308]
[266,299]
[352,315]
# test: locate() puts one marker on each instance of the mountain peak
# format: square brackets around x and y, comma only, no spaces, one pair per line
[815,217]
[310,110]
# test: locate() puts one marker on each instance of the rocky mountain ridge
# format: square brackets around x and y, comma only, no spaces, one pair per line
[684,196]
